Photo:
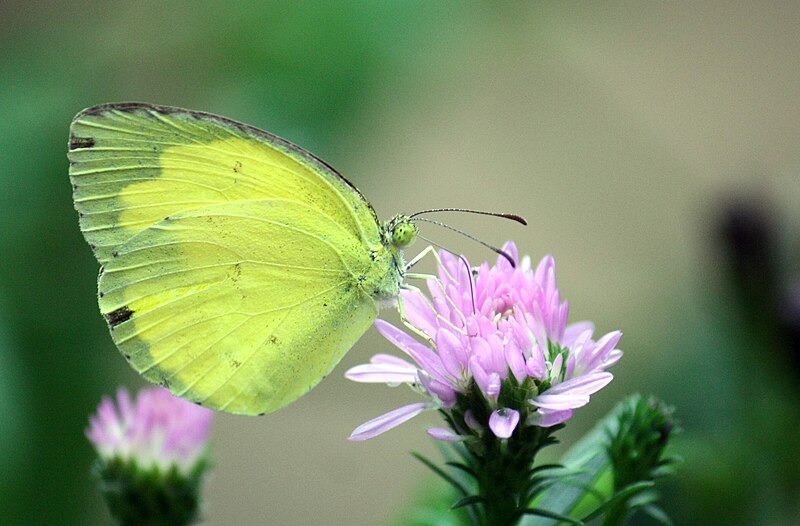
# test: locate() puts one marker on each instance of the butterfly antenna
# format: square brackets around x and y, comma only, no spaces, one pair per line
[454,229]
[512,217]
[466,264]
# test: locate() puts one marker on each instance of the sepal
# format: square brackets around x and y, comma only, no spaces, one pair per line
[151,496]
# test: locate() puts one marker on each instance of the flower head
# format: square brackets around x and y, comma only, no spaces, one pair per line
[498,351]
[157,429]
[152,456]
[637,439]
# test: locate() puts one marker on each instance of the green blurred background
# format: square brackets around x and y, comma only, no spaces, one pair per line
[637,139]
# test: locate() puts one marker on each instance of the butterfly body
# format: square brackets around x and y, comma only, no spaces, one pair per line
[236,268]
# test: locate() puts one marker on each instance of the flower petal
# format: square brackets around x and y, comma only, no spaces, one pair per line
[587,384]
[445,435]
[445,393]
[387,421]
[451,352]
[602,350]
[498,358]
[574,330]
[381,358]
[471,421]
[419,312]
[489,382]
[155,429]
[382,373]
[548,418]
[572,393]
[515,361]
[612,358]
[503,421]
[425,358]
[509,248]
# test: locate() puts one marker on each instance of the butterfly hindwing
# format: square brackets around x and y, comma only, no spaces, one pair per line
[234,306]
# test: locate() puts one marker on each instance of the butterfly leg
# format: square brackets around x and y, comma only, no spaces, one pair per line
[430,250]
[402,312]
[416,259]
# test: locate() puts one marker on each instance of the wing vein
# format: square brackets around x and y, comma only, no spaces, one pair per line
[256,348]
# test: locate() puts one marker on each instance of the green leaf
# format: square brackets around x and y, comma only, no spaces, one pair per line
[436,469]
[539,485]
[658,514]
[463,467]
[587,486]
[469,500]
[545,467]
[621,496]
[429,505]
[552,515]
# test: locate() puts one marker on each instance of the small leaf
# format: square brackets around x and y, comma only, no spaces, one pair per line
[463,467]
[545,467]
[658,514]
[469,500]
[587,488]
[539,486]
[441,473]
[552,515]
[580,491]
[621,496]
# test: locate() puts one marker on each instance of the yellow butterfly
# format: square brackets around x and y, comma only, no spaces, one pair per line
[236,268]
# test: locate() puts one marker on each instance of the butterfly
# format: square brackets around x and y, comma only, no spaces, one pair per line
[236,268]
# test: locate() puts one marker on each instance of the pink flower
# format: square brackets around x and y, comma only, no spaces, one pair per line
[157,429]
[501,329]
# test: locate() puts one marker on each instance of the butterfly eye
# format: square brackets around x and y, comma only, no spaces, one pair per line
[404,234]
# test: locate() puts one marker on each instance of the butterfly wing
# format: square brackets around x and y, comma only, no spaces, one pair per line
[133,164]
[231,259]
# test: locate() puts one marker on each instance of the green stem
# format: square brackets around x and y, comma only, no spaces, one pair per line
[503,473]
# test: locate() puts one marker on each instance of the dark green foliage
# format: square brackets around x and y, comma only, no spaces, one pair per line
[636,443]
[614,468]
[496,479]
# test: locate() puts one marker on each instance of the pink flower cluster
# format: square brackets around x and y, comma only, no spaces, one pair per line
[499,327]
[157,429]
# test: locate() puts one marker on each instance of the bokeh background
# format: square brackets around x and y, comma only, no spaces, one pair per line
[652,146]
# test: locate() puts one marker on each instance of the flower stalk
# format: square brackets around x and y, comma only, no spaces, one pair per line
[503,474]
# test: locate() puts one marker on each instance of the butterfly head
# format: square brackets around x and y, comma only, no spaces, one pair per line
[400,231]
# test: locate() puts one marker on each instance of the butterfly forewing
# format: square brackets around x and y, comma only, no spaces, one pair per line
[132,165]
